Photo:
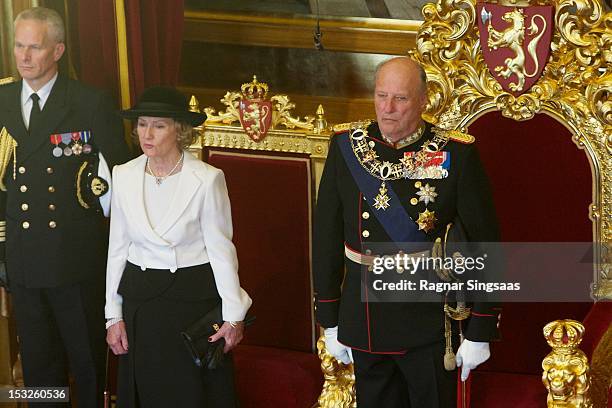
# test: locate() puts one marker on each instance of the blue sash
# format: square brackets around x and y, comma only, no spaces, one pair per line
[395,220]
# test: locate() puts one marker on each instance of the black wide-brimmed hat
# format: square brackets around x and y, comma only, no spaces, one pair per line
[164,102]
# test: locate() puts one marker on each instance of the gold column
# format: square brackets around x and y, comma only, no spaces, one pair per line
[122,54]
[123,64]
[7,63]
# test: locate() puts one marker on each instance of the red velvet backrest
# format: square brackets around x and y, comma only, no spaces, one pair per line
[541,186]
[271,197]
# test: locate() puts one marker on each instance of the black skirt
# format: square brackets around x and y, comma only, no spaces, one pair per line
[158,370]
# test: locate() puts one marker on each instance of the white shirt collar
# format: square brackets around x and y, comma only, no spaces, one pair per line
[43,92]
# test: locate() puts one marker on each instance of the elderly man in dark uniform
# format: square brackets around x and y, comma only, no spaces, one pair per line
[57,135]
[397,180]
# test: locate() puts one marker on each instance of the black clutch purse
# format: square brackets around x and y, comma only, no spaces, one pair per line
[195,337]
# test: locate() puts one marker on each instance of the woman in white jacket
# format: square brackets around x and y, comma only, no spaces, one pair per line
[171,259]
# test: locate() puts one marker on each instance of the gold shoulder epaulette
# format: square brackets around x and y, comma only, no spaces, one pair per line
[345,127]
[455,135]
[342,127]
[7,80]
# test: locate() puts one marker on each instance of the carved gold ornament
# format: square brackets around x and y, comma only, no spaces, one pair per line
[339,387]
[575,88]
[566,368]
[281,108]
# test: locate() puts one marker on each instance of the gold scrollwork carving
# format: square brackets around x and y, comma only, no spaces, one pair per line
[566,369]
[339,387]
[281,113]
[231,100]
[575,86]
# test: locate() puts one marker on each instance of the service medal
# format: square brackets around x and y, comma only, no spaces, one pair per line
[77,149]
[56,140]
[86,137]
[66,138]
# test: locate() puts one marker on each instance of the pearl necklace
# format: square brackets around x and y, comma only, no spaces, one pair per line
[159,179]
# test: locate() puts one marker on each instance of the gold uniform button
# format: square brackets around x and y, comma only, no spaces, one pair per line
[365,233]
[52,207]
[365,215]
[51,189]
[23,188]
[49,170]
[414,201]
[25,225]
[52,224]
[418,184]
[21,170]
[24,207]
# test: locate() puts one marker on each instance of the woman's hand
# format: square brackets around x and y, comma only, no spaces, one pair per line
[232,335]
[116,337]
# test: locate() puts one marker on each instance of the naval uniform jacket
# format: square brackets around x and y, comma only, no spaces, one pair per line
[51,239]
[196,230]
[343,216]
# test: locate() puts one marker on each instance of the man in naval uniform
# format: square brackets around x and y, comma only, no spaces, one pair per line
[379,186]
[56,135]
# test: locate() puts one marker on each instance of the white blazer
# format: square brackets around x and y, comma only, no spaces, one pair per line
[197,229]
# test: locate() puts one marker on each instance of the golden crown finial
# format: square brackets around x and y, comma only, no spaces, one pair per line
[254,89]
[564,336]
[194,104]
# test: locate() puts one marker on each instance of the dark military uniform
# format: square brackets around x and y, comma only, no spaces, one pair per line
[55,246]
[344,217]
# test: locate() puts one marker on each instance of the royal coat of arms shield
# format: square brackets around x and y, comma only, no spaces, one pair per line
[515,43]
[255,117]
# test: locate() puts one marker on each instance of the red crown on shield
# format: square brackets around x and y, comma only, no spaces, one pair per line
[254,89]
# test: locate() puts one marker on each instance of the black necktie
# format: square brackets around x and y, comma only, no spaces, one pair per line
[35,113]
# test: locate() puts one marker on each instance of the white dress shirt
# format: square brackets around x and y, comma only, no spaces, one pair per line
[196,229]
[26,101]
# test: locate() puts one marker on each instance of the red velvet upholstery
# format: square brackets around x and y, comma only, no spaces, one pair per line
[506,390]
[271,377]
[541,185]
[271,212]
[596,322]
[541,181]
[271,198]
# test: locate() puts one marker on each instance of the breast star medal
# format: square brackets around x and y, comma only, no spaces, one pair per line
[426,220]
[427,194]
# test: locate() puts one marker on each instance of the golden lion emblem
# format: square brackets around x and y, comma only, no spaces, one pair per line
[565,377]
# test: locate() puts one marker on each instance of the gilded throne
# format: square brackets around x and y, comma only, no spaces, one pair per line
[530,81]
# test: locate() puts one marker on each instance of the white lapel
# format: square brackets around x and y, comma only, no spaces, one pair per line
[187,187]
[135,201]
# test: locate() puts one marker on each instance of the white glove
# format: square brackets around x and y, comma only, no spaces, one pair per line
[470,355]
[333,346]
